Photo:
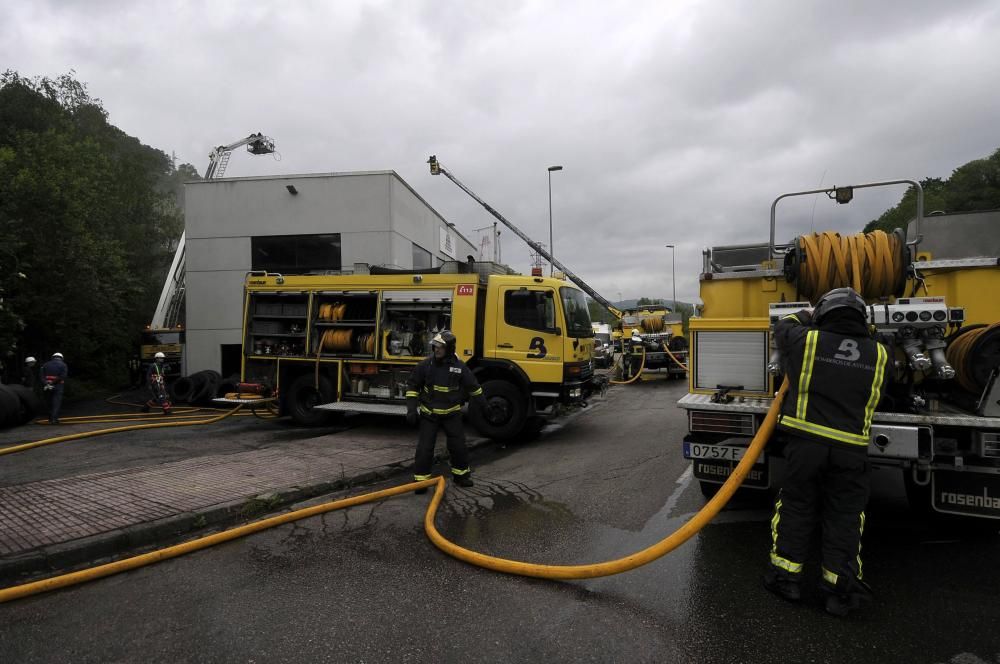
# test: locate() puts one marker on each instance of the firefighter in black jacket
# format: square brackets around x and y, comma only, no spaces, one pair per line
[437,389]
[836,373]
[54,373]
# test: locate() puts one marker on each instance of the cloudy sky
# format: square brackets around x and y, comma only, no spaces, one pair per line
[675,122]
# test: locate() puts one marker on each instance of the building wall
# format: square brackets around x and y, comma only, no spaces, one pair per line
[377,214]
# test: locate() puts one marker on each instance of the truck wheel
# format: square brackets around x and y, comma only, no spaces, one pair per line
[302,396]
[508,400]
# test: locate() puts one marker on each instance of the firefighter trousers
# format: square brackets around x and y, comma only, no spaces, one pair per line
[828,486]
[454,432]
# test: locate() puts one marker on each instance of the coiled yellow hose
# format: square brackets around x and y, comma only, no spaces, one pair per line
[651,325]
[871,263]
[961,355]
[628,563]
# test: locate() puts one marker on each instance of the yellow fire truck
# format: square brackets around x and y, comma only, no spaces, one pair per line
[933,302]
[348,343]
[647,336]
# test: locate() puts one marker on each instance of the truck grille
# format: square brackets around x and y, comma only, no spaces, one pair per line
[990,446]
[739,424]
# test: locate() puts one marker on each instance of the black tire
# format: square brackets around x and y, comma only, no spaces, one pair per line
[10,407]
[182,389]
[226,386]
[510,401]
[209,387]
[302,395]
[31,404]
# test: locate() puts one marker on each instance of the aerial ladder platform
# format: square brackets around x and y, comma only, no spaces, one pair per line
[170,307]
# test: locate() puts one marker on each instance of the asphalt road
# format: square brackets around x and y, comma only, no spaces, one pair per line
[365,585]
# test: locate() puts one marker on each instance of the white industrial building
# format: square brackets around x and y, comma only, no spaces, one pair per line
[296,224]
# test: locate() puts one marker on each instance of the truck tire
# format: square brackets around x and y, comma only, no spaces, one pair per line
[182,389]
[10,407]
[209,387]
[510,401]
[31,404]
[302,395]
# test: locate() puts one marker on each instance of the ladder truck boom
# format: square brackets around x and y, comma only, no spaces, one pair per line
[171,302]
[438,169]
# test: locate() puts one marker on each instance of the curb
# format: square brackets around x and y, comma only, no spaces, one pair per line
[139,538]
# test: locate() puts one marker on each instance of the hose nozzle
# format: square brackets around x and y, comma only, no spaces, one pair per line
[914,349]
[942,369]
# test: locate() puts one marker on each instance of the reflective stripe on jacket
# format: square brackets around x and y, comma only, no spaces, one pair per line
[440,388]
[835,382]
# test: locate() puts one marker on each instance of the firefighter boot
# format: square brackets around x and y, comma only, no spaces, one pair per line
[840,604]
[463,480]
[782,585]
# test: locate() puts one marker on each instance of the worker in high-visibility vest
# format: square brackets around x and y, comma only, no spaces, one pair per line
[837,374]
[157,385]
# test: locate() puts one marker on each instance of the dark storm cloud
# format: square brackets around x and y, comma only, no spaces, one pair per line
[675,122]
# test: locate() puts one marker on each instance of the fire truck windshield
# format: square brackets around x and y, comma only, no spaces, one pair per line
[576,312]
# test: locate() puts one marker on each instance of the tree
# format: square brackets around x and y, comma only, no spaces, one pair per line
[973,186]
[85,212]
[901,213]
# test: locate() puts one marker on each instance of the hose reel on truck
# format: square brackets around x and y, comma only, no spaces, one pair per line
[940,422]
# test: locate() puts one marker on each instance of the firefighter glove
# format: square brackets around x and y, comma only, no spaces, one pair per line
[411,415]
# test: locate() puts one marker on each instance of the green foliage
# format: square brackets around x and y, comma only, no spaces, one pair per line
[88,215]
[973,186]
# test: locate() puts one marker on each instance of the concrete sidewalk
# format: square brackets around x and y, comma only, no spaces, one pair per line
[54,524]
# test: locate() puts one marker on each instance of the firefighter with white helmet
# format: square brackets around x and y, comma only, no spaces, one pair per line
[155,378]
[54,374]
[436,390]
[29,378]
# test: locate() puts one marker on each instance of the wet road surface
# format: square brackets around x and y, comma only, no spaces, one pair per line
[365,585]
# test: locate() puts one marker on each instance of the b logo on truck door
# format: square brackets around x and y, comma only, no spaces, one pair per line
[537,344]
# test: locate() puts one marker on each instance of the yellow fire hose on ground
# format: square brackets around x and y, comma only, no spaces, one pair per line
[630,562]
[101,432]
[117,418]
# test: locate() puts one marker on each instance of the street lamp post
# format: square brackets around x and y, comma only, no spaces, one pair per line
[551,246]
[673,273]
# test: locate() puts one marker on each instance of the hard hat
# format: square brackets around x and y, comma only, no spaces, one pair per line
[29,360]
[839,298]
[59,355]
[159,356]
[445,338]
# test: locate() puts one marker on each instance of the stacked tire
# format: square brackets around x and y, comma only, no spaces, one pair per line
[197,389]
[18,405]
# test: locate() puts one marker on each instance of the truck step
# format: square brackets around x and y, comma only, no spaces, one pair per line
[358,407]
